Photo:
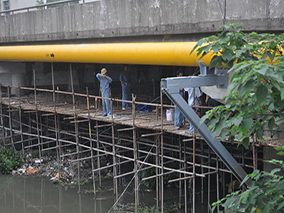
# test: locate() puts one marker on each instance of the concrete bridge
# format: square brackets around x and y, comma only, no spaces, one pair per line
[127,21]
[135,20]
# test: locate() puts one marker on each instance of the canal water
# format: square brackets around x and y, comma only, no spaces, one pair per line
[28,194]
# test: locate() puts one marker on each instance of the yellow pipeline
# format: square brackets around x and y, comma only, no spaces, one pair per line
[168,53]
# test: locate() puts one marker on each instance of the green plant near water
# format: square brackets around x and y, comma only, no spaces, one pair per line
[255,103]
[9,160]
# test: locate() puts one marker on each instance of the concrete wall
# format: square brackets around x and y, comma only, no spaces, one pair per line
[13,74]
[125,18]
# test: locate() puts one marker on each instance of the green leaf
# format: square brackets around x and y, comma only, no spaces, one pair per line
[228,202]
[217,48]
[275,170]
[266,208]
[281,205]
[247,123]
[240,136]
[281,153]
[203,118]
[242,66]
[259,202]
[243,130]
[276,85]
[234,129]
[244,196]
[239,52]
[281,104]
[246,88]
[261,94]
[246,142]
[244,108]
[262,70]
[219,126]
[271,123]
[223,134]
[238,121]
[213,123]
[226,56]
[206,48]
[282,93]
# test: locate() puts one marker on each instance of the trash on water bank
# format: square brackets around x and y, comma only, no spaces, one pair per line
[38,160]
[32,171]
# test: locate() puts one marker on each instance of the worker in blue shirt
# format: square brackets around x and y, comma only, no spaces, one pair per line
[178,115]
[104,86]
[125,86]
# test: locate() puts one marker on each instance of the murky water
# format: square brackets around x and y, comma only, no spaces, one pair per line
[39,195]
[28,194]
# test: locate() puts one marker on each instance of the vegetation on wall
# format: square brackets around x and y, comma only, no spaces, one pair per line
[255,103]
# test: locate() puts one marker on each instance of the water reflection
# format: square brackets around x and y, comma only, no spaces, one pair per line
[39,195]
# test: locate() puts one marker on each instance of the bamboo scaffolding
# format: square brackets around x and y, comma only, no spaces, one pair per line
[110,144]
[135,156]
[162,152]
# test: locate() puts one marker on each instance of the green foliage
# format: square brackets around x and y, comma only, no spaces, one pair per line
[255,102]
[265,192]
[255,95]
[9,160]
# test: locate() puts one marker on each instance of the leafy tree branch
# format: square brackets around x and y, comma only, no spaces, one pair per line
[254,104]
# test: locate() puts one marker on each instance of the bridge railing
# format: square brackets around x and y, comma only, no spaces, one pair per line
[45,6]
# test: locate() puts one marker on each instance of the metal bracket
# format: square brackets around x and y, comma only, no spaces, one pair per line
[171,86]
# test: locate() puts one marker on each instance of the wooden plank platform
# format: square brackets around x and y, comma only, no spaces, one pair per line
[143,119]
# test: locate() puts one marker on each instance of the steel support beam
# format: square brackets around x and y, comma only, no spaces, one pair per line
[171,87]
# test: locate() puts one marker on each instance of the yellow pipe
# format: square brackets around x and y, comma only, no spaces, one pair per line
[167,53]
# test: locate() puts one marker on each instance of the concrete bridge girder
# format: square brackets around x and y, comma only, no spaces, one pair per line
[122,19]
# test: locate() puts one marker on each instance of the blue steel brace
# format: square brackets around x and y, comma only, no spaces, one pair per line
[170,87]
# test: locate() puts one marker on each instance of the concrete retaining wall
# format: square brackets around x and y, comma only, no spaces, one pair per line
[125,18]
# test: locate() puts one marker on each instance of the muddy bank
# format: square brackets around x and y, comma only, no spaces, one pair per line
[64,172]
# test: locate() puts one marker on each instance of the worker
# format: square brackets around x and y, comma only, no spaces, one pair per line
[178,115]
[193,94]
[105,87]
[125,86]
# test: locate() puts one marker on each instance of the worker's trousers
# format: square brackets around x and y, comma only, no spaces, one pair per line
[106,104]
[125,95]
